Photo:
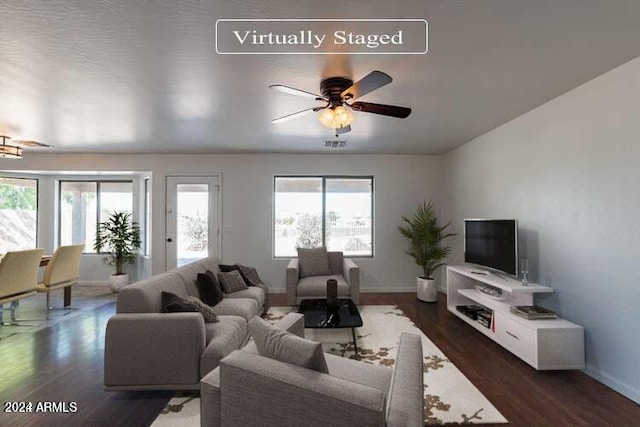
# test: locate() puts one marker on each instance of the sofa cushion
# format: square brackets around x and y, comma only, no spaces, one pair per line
[172,303]
[313,262]
[243,307]
[145,296]
[335,261]
[231,281]
[210,263]
[227,335]
[253,292]
[316,287]
[189,275]
[230,326]
[209,289]
[286,347]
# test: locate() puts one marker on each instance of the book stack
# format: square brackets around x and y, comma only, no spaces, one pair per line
[484,318]
[533,312]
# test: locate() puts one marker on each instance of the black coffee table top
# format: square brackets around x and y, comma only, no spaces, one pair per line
[318,315]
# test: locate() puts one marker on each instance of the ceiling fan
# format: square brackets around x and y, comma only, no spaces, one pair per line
[12,149]
[339,94]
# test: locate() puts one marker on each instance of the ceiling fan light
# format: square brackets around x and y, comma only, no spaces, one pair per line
[336,117]
[10,152]
[344,117]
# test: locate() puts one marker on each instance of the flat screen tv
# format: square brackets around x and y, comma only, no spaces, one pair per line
[492,243]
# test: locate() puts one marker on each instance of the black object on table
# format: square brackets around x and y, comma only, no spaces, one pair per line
[317,315]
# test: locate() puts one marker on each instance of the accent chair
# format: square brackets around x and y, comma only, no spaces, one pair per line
[311,282]
[252,390]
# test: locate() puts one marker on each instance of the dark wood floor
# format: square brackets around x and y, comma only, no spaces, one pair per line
[64,363]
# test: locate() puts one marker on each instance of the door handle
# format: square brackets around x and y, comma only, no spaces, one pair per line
[169,240]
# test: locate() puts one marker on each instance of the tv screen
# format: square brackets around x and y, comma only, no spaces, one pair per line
[492,243]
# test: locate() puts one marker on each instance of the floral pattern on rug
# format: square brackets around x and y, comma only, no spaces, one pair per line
[449,397]
[461,403]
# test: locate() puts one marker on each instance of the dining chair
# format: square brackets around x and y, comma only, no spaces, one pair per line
[62,271]
[18,280]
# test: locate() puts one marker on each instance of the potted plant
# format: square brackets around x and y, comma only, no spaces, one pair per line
[120,236]
[425,246]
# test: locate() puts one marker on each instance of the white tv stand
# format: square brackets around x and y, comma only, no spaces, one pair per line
[543,344]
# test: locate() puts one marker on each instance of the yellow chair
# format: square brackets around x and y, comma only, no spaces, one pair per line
[18,279]
[62,272]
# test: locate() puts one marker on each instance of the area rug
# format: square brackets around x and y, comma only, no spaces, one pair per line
[449,397]
[83,297]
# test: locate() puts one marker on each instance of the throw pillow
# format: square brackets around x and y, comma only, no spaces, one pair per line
[313,262]
[172,303]
[250,275]
[232,282]
[225,268]
[209,289]
[287,347]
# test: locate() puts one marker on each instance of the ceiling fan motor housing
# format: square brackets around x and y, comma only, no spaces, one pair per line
[332,87]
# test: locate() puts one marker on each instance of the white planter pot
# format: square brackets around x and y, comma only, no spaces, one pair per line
[118,281]
[427,290]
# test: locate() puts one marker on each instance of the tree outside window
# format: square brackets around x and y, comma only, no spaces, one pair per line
[313,211]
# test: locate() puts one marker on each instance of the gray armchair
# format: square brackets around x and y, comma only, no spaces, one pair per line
[343,270]
[250,390]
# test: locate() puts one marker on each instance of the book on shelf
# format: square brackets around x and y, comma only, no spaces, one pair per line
[533,312]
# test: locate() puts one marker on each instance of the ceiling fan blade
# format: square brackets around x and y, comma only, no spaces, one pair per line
[385,110]
[298,92]
[296,115]
[372,81]
[32,144]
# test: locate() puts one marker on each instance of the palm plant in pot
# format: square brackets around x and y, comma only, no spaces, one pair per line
[426,247]
[120,236]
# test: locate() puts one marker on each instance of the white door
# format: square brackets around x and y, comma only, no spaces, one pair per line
[192,230]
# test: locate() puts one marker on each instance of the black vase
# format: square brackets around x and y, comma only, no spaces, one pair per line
[332,293]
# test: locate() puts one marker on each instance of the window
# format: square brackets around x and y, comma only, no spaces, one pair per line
[312,211]
[18,213]
[147,216]
[84,204]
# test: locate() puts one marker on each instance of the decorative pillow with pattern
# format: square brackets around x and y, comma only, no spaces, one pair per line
[313,262]
[172,303]
[232,282]
[250,275]
[287,347]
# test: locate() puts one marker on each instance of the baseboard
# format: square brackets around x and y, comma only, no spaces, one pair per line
[607,380]
[94,282]
[388,289]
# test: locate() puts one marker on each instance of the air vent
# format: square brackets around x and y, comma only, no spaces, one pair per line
[335,143]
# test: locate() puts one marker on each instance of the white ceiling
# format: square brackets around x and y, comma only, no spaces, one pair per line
[143,76]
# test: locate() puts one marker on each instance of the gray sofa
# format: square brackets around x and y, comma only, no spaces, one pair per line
[250,390]
[149,350]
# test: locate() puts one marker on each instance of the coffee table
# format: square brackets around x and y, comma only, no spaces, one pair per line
[317,315]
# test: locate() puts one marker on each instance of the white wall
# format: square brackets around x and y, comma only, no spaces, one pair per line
[401,182]
[569,171]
